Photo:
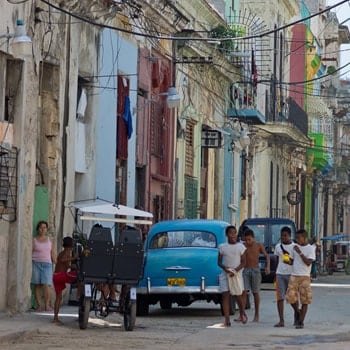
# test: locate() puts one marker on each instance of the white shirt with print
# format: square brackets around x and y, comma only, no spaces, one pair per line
[283,268]
[299,267]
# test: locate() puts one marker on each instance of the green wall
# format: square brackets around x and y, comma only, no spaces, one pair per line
[41,206]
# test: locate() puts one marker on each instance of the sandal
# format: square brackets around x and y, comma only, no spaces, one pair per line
[228,324]
[279,324]
[48,308]
[244,318]
[39,309]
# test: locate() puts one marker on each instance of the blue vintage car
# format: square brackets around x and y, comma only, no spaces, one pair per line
[181,263]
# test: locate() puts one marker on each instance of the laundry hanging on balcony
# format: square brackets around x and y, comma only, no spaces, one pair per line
[127,116]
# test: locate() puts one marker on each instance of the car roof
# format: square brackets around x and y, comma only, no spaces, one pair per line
[268,221]
[189,224]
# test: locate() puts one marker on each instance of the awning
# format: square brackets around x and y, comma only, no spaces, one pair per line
[343,243]
[335,237]
[107,211]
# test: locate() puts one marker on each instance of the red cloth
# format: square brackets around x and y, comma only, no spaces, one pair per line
[61,278]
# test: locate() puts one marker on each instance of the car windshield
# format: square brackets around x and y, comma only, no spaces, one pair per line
[175,239]
[276,233]
[259,232]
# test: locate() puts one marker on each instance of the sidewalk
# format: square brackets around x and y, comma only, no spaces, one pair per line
[21,325]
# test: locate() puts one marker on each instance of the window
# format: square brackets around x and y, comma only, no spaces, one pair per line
[10,87]
[158,128]
[176,239]
[189,140]
[191,195]
[4,180]
[8,183]
[122,127]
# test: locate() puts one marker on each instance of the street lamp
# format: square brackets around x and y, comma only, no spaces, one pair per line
[244,139]
[21,44]
[173,99]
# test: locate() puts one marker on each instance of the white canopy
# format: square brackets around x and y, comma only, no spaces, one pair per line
[107,209]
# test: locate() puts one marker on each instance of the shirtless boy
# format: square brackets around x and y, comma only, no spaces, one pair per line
[251,272]
[61,275]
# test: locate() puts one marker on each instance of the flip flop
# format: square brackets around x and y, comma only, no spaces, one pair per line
[279,324]
[48,308]
[39,309]
[244,319]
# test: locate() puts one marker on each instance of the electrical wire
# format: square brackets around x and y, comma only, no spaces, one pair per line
[176,38]
[290,83]
[17,2]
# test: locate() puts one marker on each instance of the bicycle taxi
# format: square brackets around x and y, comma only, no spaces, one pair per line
[336,256]
[104,261]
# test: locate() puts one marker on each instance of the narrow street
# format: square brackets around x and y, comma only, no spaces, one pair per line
[199,327]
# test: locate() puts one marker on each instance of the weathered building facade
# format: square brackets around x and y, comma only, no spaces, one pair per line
[84,91]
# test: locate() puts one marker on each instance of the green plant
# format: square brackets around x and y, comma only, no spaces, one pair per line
[331,70]
[224,32]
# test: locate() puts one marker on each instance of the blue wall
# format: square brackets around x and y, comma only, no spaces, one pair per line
[117,56]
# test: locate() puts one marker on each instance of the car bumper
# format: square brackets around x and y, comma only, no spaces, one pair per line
[178,290]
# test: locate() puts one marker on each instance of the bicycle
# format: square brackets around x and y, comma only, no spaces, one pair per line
[328,267]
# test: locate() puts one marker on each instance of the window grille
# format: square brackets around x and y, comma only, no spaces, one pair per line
[8,183]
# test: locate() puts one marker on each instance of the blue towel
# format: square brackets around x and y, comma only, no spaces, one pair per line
[127,116]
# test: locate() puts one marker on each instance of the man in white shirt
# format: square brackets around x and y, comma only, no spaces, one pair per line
[284,253]
[299,286]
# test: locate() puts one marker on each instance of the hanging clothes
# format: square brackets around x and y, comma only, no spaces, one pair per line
[127,116]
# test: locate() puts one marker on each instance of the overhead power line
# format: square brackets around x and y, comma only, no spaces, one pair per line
[174,38]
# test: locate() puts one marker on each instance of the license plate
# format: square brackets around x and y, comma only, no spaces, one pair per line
[87,290]
[176,282]
[133,293]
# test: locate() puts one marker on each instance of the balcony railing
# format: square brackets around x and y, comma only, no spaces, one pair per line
[297,116]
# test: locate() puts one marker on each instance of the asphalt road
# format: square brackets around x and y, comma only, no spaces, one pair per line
[327,326]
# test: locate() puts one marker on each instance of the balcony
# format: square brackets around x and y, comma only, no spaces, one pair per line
[291,124]
[249,114]
[243,104]
[297,116]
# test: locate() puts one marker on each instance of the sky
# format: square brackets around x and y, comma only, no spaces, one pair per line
[343,13]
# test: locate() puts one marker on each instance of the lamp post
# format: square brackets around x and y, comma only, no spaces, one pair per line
[21,44]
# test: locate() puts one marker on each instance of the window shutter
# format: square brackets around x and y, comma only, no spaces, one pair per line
[189,140]
[191,192]
[122,132]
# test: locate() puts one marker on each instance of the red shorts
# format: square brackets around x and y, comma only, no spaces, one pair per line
[61,278]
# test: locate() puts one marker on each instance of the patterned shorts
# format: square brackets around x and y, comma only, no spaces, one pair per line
[299,287]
